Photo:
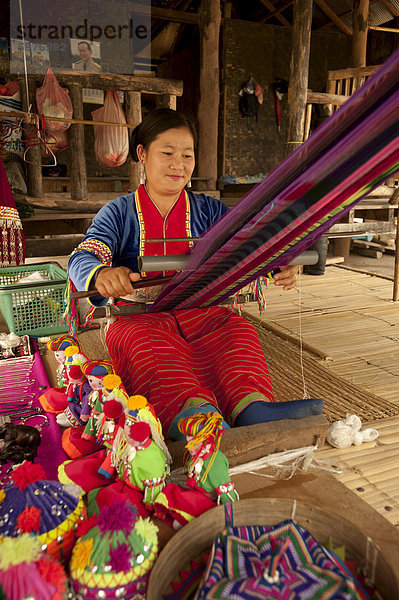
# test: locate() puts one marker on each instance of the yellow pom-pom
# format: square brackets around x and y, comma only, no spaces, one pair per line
[81,554]
[2,495]
[112,381]
[22,549]
[136,402]
[71,350]
[147,530]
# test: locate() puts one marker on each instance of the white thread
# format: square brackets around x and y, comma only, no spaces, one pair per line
[293,512]
[305,391]
[24,53]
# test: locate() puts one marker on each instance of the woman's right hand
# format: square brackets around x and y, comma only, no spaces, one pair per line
[114,282]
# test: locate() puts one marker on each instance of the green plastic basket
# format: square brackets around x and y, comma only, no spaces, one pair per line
[34,309]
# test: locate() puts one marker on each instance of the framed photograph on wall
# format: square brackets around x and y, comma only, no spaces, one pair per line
[86,56]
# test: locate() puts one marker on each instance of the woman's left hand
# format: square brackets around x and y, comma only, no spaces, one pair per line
[287,277]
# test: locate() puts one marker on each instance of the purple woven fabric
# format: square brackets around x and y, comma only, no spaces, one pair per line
[353,152]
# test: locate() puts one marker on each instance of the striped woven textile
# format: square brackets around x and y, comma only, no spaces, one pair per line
[353,152]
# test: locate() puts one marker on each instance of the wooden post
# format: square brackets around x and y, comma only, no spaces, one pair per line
[77,144]
[299,70]
[133,113]
[166,101]
[396,269]
[209,18]
[33,155]
[359,45]
[360,15]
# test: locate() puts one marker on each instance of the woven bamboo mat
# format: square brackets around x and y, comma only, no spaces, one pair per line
[340,396]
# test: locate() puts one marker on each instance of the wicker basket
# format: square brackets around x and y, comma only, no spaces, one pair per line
[34,309]
[198,537]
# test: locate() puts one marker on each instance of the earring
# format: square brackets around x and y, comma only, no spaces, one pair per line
[142,174]
[189,183]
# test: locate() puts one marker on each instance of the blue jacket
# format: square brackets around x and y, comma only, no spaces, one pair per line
[113,236]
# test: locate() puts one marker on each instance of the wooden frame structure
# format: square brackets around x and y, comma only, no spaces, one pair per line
[166,91]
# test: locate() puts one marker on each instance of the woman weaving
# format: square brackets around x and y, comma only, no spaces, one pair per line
[182,359]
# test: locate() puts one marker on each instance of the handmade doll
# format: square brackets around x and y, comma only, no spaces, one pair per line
[32,504]
[141,470]
[90,449]
[54,400]
[78,410]
[208,480]
[27,572]
[81,440]
[108,424]
[140,410]
[113,558]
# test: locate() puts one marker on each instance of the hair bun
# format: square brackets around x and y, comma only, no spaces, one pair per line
[133,143]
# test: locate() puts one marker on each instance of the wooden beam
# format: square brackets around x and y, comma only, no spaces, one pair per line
[77,145]
[360,15]
[392,9]
[166,14]
[334,17]
[208,109]
[278,16]
[107,81]
[323,98]
[299,71]
[390,29]
[277,8]
[242,444]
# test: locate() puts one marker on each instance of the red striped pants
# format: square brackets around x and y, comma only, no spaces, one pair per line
[190,356]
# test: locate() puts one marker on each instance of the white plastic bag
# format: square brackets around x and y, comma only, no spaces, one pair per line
[111,143]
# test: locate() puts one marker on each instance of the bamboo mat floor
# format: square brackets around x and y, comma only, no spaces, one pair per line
[351,323]
[347,318]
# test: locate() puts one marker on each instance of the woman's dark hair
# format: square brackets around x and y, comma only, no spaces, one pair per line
[155,123]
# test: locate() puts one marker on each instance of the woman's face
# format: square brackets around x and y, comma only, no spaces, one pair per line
[169,161]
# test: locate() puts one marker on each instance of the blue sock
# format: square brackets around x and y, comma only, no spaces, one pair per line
[174,431]
[262,412]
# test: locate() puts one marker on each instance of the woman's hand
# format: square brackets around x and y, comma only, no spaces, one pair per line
[287,277]
[114,282]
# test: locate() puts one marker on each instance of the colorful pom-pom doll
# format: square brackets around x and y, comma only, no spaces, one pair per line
[54,400]
[140,410]
[208,481]
[141,469]
[81,440]
[107,429]
[78,410]
[114,554]
[31,504]
[27,572]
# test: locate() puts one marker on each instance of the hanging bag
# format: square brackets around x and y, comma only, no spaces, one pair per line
[53,101]
[111,143]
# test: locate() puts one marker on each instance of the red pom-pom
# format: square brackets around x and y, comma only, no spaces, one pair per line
[140,432]
[27,473]
[29,519]
[51,570]
[112,409]
[75,372]
[86,525]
